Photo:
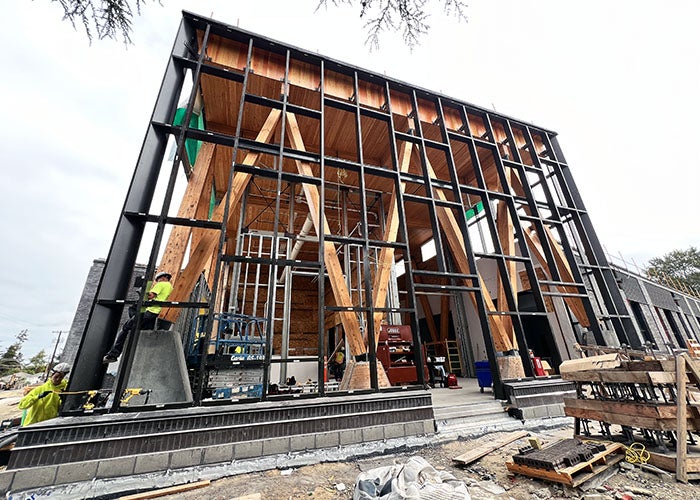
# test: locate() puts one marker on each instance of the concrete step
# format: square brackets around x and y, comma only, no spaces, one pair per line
[468,410]
[478,426]
[472,420]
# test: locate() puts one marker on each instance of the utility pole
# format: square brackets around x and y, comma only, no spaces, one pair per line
[53,354]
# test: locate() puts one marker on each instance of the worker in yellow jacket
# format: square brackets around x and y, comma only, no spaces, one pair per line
[42,402]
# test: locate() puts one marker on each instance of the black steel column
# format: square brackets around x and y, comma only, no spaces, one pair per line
[103,320]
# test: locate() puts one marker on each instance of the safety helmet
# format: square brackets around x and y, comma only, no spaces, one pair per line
[62,368]
[162,275]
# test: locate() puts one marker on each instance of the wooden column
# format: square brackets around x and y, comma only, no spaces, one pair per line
[681,421]
[207,246]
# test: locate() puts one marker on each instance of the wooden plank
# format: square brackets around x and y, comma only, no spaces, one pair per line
[693,367]
[667,461]
[489,446]
[206,248]
[604,361]
[351,324]
[622,377]
[595,470]
[681,422]
[167,491]
[657,424]
[663,411]
[654,365]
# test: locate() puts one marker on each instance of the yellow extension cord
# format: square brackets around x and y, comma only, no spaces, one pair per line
[636,453]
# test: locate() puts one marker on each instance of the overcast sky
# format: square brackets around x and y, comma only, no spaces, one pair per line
[618,81]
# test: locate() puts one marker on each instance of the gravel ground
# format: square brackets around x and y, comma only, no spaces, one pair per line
[486,478]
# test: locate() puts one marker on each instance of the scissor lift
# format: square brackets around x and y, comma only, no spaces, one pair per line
[235,356]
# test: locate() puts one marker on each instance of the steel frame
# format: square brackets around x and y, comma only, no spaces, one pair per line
[562,210]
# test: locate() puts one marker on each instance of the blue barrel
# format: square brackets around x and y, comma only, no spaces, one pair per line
[483,374]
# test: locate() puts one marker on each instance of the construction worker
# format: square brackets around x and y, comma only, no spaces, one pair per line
[160,291]
[42,402]
[338,364]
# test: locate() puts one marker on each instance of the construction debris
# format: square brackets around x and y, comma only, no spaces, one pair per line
[652,399]
[571,462]
[167,491]
[415,479]
[489,446]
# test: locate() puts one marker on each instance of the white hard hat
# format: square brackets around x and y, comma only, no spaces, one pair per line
[62,368]
[163,274]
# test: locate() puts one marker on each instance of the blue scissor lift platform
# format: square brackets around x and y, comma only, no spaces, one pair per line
[235,357]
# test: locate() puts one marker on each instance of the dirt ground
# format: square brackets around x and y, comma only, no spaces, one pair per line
[8,404]
[486,478]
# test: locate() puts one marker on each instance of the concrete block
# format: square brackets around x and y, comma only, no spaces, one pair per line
[393,431]
[218,454]
[181,459]
[152,462]
[36,477]
[75,472]
[373,433]
[116,467]
[327,439]
[247,449]
[556,410]
[159,365]
[429,427]
[6,478]
[351,436]
[413,428]
[275,446]
[302,442]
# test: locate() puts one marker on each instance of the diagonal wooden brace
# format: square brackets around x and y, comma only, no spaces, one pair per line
[351,324]
[206,248]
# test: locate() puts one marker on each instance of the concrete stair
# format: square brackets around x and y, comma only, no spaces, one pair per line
[468,411]
[472,417]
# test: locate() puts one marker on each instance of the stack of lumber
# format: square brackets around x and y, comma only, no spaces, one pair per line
[660,398]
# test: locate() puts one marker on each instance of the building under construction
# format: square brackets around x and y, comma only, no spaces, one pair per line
[313,207]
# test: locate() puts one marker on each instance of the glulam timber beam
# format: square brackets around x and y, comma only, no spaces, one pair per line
[176,246]
[385,260]
[535,246]
[504,227]
[349,319]
[201,256]
[455,241]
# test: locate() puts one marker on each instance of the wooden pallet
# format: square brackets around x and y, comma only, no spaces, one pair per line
[576,474]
